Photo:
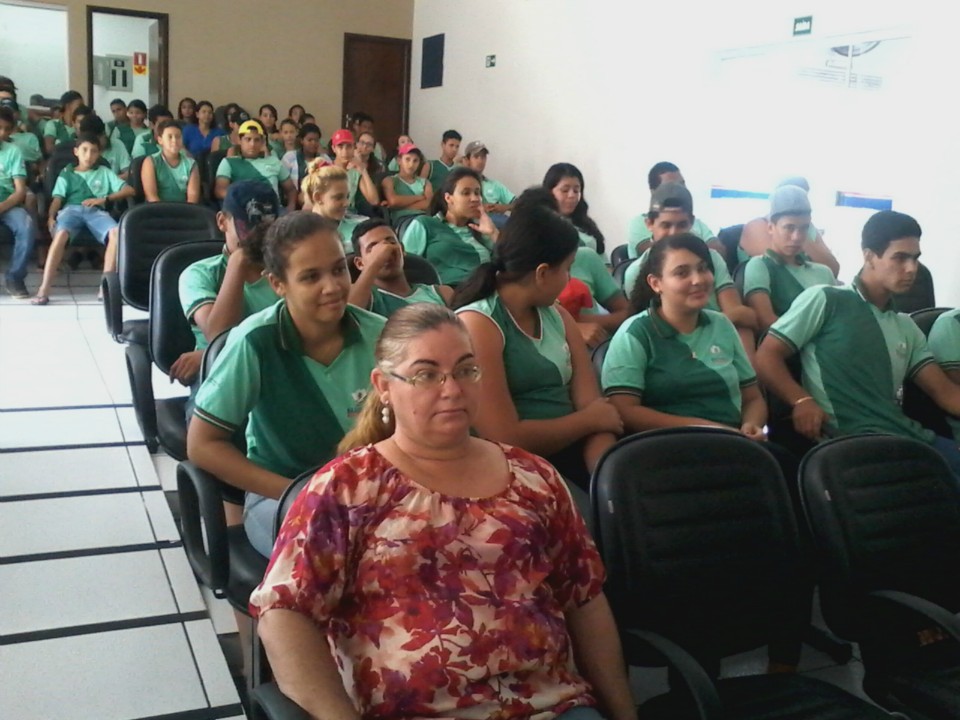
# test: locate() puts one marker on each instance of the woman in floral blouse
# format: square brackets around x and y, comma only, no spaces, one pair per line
[452,576]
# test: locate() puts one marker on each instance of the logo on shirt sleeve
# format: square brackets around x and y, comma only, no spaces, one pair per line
[358,396]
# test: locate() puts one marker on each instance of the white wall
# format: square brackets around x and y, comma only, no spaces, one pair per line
[33,50]
[122,35]
[616,87]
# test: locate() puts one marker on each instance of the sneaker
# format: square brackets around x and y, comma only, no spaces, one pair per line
[17,289]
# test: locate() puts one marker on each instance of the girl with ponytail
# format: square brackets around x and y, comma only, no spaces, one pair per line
[539,387]
[326,191]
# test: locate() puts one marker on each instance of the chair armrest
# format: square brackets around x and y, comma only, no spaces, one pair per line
[701,687]
[140,375]
[269,703]
[945,619]
[112,304]
[201,509]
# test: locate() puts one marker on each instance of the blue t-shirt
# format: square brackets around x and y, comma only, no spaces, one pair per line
[195,142]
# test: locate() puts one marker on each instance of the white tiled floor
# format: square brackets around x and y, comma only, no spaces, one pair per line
[102,615]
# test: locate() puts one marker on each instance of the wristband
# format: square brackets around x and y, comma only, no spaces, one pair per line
[802,400]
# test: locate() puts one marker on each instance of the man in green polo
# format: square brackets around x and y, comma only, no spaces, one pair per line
[252,165]
[857,350]
[772,281]
[497,199]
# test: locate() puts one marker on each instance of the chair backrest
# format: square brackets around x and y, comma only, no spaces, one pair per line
[419,270]
[597,357]
[402,223]
[884,512]
[917,405]
[920,295]
[730,238]
[147,229]
[289,495]
[618,255]
[210,173]
[739,272]
[170,333]
[619,271]
[135,179]
[699,538]
[212,352]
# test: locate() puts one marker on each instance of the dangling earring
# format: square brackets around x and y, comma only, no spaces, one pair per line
[385,414]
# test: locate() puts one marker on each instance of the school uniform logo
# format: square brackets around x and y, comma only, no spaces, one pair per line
[358,396]
[901,349]
[717,356]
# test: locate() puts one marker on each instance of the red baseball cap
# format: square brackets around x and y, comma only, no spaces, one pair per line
[340,137]
[406,148]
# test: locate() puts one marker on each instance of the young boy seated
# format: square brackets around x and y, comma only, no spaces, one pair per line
[79,197]
[497,199]
[135,127]
[382,286]
[436,170]
[216,293]
[170,175]
[113,151]
[118,109]
[13,194]
[149,143]
[251,165]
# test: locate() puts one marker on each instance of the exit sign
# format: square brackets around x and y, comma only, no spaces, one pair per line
[803,25]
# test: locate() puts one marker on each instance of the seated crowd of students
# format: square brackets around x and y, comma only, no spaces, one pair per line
[393,386]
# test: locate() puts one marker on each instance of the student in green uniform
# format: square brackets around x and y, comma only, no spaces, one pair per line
[113,151]
[456,235]
[252,165]
[382,286]
[149,143]
[217,293]
[944,341]
[565,181]
[358,176]
[170,175]
[857,350]
[671,213]
[307,140]
[406,192]
[497,199]
[128,134]
[327,193]
[361,122]
[679,362]
[772,281]
[28,143]
[436,170]
[755,236]
[393,164]
[288,135]
[268,120]
[639,233]
[297,373]
[540,391]
[230,140]
[13,214]
[366,142]
[118,111]
[62,130]
[78,198]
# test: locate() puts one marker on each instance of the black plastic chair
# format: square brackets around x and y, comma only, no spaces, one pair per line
[917,405]
[618,255]
[729,237]
[620,271]
[598,355]
[884,512]
[268,703]
[135,180]
[920,295]
[163,422]
[212,162]
[700,543]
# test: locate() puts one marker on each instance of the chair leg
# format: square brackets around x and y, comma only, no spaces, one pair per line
[139,370]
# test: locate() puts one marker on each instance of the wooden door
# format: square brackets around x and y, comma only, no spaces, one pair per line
[376,80]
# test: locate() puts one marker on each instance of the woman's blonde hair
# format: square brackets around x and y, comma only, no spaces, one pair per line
[320,176]
[404,326]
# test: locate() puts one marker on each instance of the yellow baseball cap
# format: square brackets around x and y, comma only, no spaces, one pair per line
[250,126]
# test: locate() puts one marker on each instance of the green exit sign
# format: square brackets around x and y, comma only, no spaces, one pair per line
[803,25]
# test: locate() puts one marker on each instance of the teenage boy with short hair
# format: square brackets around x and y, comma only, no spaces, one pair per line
[436,170]
[118,108]
[61,130]
[78,199]
[358,177]
[857,350]
[149,143]
[252,165]
[13,194]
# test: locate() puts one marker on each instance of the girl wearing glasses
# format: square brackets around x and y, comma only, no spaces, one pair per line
[539,385]
[430,573]
[295,373]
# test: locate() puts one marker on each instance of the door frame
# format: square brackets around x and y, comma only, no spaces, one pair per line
[406,44]
[164,29]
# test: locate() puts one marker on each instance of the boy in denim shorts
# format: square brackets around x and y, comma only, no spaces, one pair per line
[78,199]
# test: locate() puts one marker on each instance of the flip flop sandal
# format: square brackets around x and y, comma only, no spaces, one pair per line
[40,300]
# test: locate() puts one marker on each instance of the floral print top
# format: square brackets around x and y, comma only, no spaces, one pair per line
[439,606]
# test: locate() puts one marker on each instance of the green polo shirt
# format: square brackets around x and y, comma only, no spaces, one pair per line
[587,240]
[701,374]
[172,181]
[773,275]
[721,276]
[438,173]
[59,131]
[855,358]
[496,192]
[638,231]
[144,145]
[116,154]
[200,284]
[944,342]
[29,146]
[538,369]
[346,228]
[353,187]
[267,169]
[402,187]
[452,250]
[386,303]
[75,186]
[296,408]
[590,269]
[128,135]
[11,167]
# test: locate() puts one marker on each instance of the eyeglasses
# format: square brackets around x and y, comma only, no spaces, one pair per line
[432,379]
[364,143]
